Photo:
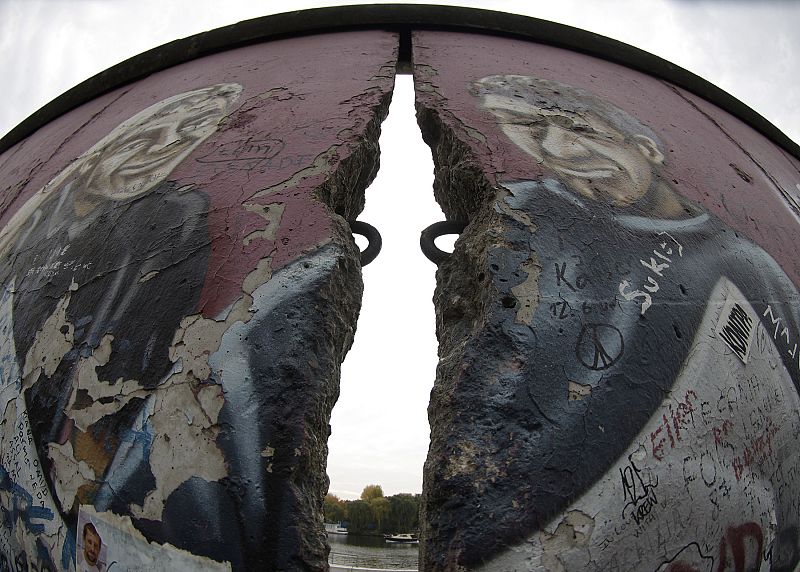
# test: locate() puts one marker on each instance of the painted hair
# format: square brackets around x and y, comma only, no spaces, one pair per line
[553,95]
[89,527]
[193,100]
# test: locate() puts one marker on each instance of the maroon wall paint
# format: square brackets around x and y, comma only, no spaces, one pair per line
[702,141]
[618,388]
[297,98]
[169,360]
[192,244]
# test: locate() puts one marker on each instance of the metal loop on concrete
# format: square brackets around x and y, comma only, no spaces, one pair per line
[372,235]
[430,234]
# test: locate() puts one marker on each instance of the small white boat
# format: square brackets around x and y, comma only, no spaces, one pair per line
[335,529]
[401,538]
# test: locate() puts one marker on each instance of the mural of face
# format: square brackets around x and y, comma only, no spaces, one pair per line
[135,156]
[588,154]
[91,546]
[142,151]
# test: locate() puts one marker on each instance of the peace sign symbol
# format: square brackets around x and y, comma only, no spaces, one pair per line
[599,346]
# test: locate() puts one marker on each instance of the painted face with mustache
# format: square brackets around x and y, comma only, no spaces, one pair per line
[589,155]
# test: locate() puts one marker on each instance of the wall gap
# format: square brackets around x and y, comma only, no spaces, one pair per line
[380,430]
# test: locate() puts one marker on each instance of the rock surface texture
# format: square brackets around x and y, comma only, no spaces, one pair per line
[617,386]
[179,289]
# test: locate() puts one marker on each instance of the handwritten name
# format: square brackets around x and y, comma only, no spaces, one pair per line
[657,265]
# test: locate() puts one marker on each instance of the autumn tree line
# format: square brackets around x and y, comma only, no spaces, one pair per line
[374,513]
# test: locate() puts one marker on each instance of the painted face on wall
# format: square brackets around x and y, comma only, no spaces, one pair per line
[91,546]
[142,151]
[589,155]
[135,156]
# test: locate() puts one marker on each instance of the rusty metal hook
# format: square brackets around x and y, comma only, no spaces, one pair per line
[372,235]
[434,231]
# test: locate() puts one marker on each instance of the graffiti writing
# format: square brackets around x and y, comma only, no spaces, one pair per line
[680,423]
[254,154]
[656,265]
[758,449]
[602,307]
[746,546]
[599,346]
[639,491]
[22,506]
[721,432]
[781,334]
[578,282]
[244,154]
[21,457]
[50,269]
[690,558]
[561,309]
[672,426]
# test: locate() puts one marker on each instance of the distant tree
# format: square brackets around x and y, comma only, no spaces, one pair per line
[371,492]
[333,508]
[359,517]
[380,509]
[403,513]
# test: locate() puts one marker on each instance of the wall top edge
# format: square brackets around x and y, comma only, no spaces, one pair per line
[403,19]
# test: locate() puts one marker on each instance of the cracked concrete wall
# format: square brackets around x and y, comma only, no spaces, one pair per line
[618,323]
[180,286]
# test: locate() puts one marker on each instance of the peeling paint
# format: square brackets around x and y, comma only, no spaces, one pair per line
[127,546]
[272,214]
[627,441]
[527,293]
[51,343]
[164,387]
[185,430]
[186,411]
[70,475]
[574,531]
[198,337]
[320,165]
[149,276]
[107,397]
[578,391]
[259,276]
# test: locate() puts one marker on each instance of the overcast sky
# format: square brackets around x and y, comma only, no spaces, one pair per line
[380,431]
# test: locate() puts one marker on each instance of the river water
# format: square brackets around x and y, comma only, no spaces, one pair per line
[372,552]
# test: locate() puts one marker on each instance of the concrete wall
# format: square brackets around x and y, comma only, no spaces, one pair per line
[618,324]
[179,287]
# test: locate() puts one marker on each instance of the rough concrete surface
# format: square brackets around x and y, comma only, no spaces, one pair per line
[180,287]
[618,324]
[617,385]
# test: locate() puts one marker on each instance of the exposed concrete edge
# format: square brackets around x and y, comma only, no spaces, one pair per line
[401,18]
[463,300]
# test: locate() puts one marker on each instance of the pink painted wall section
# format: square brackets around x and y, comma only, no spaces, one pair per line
[178,289]
[705,148]
[619,321]
[300,112]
